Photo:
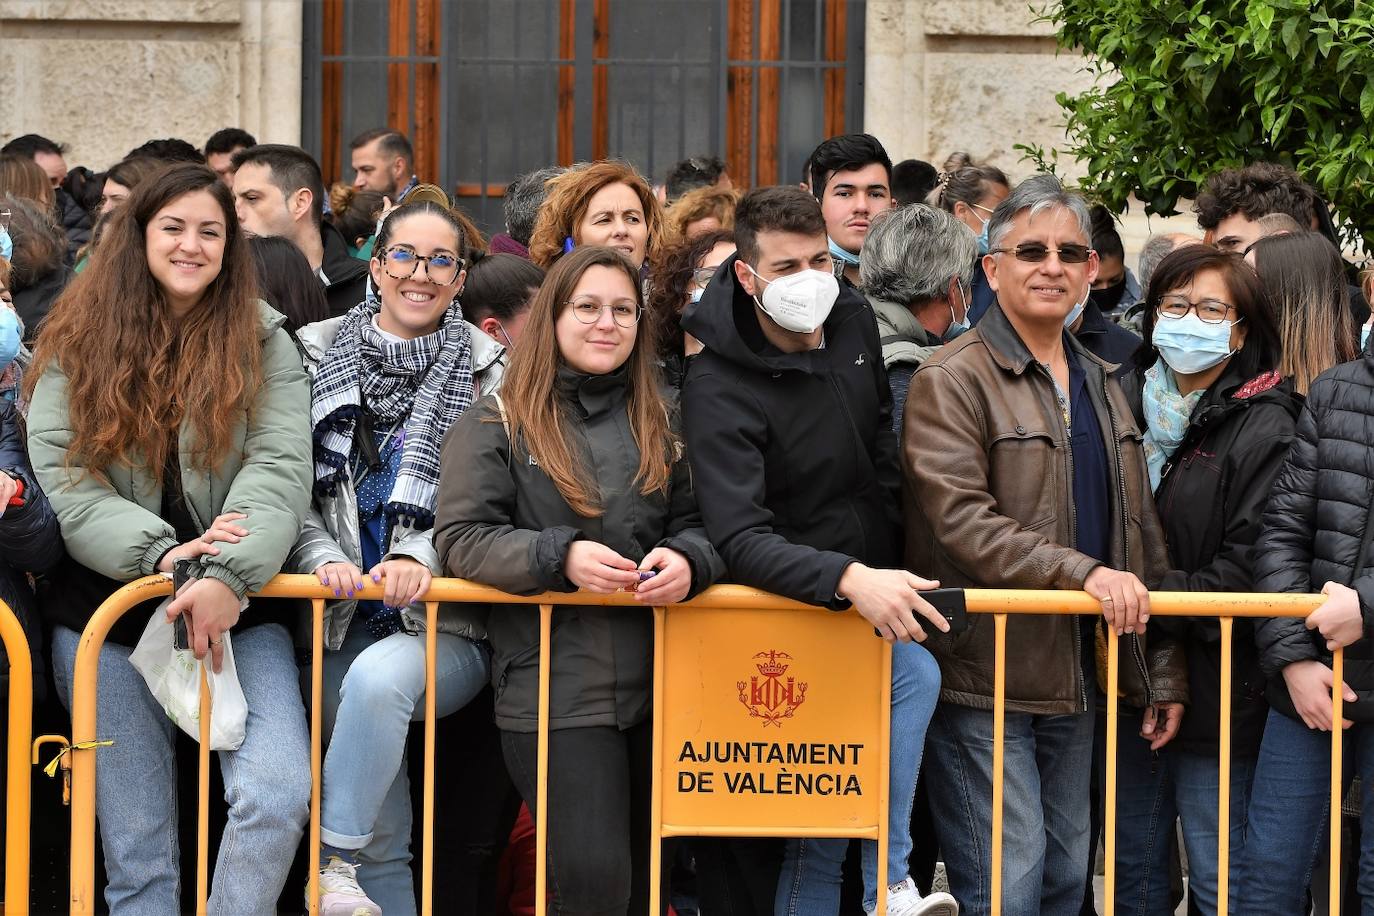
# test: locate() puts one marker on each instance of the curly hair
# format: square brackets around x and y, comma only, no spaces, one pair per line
[670,283]
[135,372]
[1256,190]
[699,204]
[569,196]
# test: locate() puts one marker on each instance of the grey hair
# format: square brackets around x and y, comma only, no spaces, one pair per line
[524,196]
[1038,194]
[911,253]
[1151,253]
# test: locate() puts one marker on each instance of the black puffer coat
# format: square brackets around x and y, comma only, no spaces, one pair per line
[1317,528]
[1211,495]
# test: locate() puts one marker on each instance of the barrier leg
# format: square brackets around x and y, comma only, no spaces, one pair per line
[431,719]
[203,809]
[1224,776]
[316,751]
[999,737]
[656,796]
[17,801]
[541,807]
[1337,715]
[884,778]
[1109,798]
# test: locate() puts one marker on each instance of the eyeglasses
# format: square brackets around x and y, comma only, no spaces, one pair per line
[441,269]
[1035,252]
[588,311]
[1209,311]
[701,276]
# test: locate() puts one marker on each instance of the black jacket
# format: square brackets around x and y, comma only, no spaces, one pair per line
[1106,339]
[793,454]
[1211,495]
[501,521]
[76,223]
[34,301]
[1317,528]
[346,282]
[29,543]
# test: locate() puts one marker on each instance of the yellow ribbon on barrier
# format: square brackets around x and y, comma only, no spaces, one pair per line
[51,766]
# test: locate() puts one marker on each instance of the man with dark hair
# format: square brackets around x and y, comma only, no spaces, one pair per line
[912,181]
[851,175]
[693,173]
[383,161]
[50,157]
[788,425]
[1233,200]
[220,150]
[524,196]
[171,149]
[278,191]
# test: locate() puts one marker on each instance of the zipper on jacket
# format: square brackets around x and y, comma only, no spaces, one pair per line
[1136,652]
[1073,534]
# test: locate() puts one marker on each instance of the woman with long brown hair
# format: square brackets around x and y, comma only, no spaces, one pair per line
[574,477]
[601,203]
[165,424]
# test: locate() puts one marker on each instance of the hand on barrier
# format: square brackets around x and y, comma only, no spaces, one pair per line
[1125,599]
[344,578]
[1309,684]
[1339,619]
[890,600]
[211,608]
[221,529]
[1160,723]
[598,568]
[406,580]
[671,582]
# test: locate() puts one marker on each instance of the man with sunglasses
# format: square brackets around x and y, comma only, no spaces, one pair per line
[1024,469]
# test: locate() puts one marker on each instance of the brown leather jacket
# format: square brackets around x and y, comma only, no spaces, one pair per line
[987,504]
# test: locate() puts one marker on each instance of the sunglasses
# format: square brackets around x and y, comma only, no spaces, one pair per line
[1035,252]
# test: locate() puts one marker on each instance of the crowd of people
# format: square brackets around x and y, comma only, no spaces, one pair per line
[889,379]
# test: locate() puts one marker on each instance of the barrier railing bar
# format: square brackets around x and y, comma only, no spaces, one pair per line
[17,801]
[316,750]
[1109,797]
[541,825]
[431,720]
[203,793]
[815,833]
[1337,717]
[657,829]
[1224,775]
[999,737]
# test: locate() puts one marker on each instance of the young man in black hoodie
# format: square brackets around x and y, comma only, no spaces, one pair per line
[787,417]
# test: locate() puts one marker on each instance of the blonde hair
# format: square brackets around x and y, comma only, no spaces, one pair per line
[569,196]
[699,204]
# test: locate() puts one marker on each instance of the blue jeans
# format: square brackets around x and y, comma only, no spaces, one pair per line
[810,879]
[266,781]
[373,690]
[1288,811]
[1152,790]
[1047,763]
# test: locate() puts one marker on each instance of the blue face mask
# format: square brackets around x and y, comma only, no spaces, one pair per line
[1077,310]
[839,254]
[6,244]
[983,241]
[957,326]
[1189,345]
[1364,338]
[697,293]
[9,336]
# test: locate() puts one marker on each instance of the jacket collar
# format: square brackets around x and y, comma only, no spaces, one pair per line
[593,394]
[1011,353]
[316,339]
[338,265]
[897,319]
[269,319]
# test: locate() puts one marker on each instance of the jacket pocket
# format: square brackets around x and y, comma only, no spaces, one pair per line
[1023,475]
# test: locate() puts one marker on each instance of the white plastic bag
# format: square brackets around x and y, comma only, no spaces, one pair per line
[173,676]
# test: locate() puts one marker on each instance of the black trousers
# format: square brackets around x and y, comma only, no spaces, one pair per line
[600,787]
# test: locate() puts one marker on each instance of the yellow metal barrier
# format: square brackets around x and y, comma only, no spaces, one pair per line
[17,760]
[1000,603]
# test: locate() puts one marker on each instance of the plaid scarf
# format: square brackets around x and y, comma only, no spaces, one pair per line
[426,383]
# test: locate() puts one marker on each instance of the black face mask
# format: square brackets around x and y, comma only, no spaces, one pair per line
[1107,298]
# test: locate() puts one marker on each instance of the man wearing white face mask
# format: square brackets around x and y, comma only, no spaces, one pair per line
[792,377]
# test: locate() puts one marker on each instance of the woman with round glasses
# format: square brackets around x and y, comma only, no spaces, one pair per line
[680,279]
[1218,420]
[389,378]
[574,477]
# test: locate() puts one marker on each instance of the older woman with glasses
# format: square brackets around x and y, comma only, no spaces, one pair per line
[389,378]
[1218,421]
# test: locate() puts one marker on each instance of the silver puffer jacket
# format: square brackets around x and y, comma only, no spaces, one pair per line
[332,533]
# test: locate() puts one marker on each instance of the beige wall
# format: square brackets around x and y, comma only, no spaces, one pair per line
[978,76]
[105,75]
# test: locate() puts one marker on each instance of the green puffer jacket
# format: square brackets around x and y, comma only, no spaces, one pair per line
[113,526]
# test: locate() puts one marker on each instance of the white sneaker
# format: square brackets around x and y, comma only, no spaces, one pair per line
[340,894]
[904,900]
